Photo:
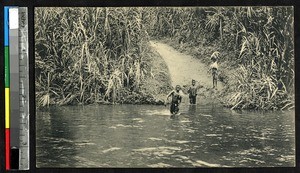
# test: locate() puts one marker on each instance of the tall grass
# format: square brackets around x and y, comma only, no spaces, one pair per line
[267,56]
[258,41]
[84,55]
[255,90]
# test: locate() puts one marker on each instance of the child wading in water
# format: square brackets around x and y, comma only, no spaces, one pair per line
[214,68]
[193,92]
[176,100]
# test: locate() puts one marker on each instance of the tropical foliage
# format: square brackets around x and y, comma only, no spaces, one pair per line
[84,55]
[258,41]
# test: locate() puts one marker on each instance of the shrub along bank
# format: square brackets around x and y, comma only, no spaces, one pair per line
[88,55]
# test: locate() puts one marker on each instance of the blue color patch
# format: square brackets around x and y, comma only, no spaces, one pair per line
[6,26]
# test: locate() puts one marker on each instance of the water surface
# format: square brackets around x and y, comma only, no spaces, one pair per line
[145,136]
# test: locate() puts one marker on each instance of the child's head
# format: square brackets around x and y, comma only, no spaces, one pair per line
[215,56]
[193,82]
[177,88]
[213,59]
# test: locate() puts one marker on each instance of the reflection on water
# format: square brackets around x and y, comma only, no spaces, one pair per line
[145,136]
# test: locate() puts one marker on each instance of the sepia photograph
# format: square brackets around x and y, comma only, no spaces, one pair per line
[164,87]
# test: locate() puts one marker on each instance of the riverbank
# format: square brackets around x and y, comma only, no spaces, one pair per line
[203,53]
[152,89]
[240,89]
[195,66]
[184,68]
[155,85]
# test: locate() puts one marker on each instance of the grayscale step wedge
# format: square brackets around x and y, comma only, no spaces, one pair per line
[23,89]
[14,81]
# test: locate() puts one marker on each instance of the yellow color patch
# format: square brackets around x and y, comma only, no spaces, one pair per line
[7,108]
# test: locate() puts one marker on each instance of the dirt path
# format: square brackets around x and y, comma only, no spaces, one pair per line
[183,68]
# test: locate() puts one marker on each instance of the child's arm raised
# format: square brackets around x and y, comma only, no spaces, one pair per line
[189,90]
[170,94]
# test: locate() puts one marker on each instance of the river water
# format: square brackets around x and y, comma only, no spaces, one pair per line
[145,136]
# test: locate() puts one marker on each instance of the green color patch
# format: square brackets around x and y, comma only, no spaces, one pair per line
[6,62]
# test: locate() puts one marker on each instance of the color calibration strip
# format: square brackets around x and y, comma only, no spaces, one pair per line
[7,93]
[16,88]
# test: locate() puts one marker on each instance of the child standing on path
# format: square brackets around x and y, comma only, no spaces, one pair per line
[193,92]
[176,100]
[214,68]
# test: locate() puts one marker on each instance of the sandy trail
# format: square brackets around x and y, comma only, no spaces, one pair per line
[183,68]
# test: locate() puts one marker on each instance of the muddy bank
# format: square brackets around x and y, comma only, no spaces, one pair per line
[240,90]
[184,68]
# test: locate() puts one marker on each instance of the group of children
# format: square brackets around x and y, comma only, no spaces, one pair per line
[177,98]
[192,91]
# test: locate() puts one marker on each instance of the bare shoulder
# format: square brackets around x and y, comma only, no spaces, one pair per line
[171,92]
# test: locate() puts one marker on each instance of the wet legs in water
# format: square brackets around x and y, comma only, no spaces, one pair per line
[214,74]
[192,110]
[192,99]
[174,109]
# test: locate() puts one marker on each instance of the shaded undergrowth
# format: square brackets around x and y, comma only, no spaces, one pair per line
[89,55]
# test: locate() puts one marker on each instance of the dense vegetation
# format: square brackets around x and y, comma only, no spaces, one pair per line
[257,41]
[85,55]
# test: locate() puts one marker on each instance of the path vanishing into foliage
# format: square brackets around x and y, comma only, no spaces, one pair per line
[183,68]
